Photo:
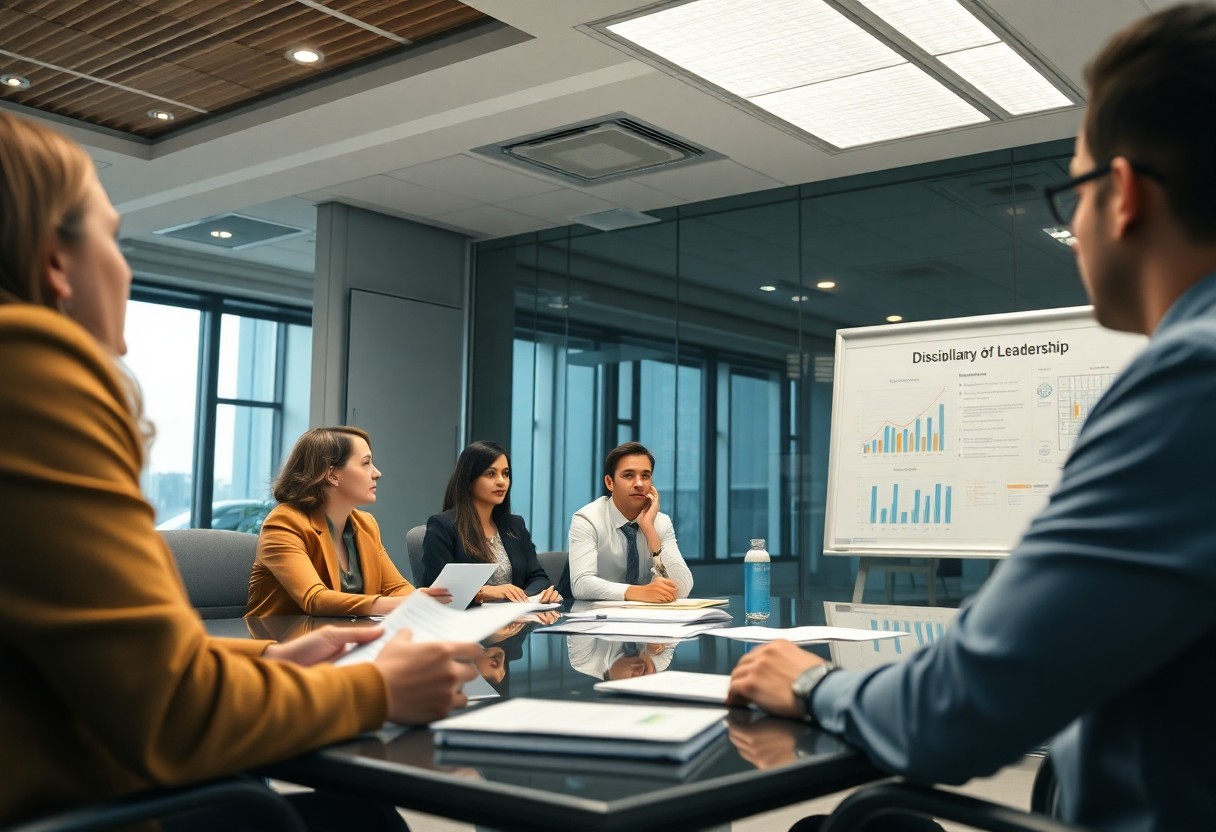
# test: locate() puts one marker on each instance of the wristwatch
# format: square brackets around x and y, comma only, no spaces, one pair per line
[806,683]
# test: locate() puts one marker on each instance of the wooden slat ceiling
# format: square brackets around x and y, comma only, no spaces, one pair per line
[109,62]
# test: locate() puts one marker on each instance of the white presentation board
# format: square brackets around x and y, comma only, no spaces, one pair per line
[948,436]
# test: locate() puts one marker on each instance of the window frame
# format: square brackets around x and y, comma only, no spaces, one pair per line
[212,307]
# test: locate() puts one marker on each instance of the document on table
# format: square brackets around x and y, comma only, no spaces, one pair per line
[801,635]
[680,604]
[673,684]
[430,620]
[463,580]
[643,731]
[640,630]
[657,616]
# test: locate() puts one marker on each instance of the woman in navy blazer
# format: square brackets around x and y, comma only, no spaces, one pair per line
[477,526]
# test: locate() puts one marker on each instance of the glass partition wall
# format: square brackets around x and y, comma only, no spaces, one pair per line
[708,336]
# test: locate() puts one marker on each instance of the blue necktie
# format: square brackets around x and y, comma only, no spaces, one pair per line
[633,563]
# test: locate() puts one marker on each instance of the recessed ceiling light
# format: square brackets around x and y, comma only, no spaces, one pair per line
[800,298]
[894,319]
[304,55]
[767,288]
[15,82]
[1061,235]
[826,284]
[223,235]
[160,115]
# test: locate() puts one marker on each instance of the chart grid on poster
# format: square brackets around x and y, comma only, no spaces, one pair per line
[948,436]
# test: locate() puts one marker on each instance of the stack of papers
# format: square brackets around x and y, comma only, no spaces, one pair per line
[591,728]
[681,604]
[802,635]
[494,765]
[673,684]
[651,613]
[631,630]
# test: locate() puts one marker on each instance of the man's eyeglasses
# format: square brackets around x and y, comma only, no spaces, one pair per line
[1062,199]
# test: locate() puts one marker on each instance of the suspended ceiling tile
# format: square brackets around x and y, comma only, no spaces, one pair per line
[475,179]
[492,221]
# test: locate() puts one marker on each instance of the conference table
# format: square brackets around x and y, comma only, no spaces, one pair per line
[760,763]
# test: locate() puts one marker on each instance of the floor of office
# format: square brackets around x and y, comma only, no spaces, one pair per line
[1010,786]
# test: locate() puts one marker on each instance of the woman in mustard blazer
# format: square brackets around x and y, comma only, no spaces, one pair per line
[111,683]
[317,553]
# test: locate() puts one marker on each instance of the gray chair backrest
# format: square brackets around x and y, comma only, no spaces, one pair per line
[413,548]
[554,564]
[215,566]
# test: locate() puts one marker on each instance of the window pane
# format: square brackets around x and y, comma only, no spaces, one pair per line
[162,353]
[244,466]
[297,387]
[755,487]
[248,347]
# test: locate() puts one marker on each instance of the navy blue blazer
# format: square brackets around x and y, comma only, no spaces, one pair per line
[442,546]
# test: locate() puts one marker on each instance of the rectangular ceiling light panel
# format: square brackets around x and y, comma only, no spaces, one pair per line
[1007,78]
[957,38]
[753,47]
[936,26]
[873,107]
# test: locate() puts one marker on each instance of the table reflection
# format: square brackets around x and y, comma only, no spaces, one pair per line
[605,659]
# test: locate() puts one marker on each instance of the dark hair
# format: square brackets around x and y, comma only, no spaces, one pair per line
[1150,94]
[301,482]
[471,464]
[619,452]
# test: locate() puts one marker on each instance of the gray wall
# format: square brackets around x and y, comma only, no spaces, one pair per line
[389,336]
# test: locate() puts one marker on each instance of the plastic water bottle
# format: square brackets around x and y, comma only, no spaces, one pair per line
[756,566]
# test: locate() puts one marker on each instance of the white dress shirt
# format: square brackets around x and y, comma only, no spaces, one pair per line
[598,553]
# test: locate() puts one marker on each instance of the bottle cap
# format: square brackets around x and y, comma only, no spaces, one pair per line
[758,543]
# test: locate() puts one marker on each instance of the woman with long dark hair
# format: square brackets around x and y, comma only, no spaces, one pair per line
[477,526]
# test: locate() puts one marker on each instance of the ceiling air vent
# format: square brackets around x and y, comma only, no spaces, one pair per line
[614,219]
[612,147]
[233,231]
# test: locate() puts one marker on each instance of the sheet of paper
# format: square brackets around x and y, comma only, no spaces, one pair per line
[658,723]
[681,604]
[673,684]
[463,580]
[619,630]
[430,620]
[800,635]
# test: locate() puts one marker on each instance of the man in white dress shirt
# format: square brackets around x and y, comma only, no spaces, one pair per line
[621,546]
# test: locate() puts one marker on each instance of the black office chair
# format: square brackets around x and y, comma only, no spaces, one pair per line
[413,549]
[896,799]
[259,805]
[215,566]
[554,564]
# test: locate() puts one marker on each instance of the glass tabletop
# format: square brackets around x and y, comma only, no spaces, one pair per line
[759,763]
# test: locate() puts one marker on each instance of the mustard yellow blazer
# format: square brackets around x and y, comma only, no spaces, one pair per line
[110,682]
[296,570]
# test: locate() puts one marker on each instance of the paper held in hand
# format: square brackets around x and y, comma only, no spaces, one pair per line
[429,620]
[463,580]
[555,726]
[802,635]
